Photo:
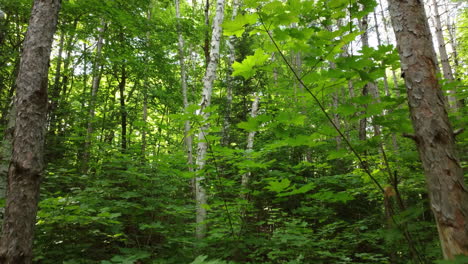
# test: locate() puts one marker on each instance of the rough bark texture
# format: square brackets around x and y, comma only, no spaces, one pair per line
[26,166]
[208,80]
[433,133]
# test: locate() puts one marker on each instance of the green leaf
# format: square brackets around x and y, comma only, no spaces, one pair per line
[237,26]
[302,189]
[278,186]
[249,65]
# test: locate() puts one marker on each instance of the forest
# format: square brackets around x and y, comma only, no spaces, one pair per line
[233,131]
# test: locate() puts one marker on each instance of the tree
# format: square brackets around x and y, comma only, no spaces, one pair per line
[444,60]
[434,136]
[26,166]
[202,148]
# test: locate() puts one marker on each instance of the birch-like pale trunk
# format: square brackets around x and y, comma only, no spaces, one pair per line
[371,87]
[394,76]
[230,79]
[451,30]
[210,75]
[434,136]
[92,101]
[444,61]
[379,42]
[183,84]
[250,142]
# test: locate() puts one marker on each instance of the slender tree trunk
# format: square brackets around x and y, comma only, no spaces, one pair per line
[250,141]
[379,42]
[27,165]
[206,45]
[363,121]
[6,153]
[372,88]
[336,118]
[434,135]
[444,61]
[230,79]
[123,110]
[183,84]
[92,101]
[2,27]
[208,80]
[145,97]
[394,76]
[451,29]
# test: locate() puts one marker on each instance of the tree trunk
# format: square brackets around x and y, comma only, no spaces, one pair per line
[123,110]
[433,132]
[6,154]
[27,165]
[250,141]
[394,77]
[210,75]
[230,79]
[444,61]
[372,88]
[92,101]
[206,45]
[379,42]
[183,84]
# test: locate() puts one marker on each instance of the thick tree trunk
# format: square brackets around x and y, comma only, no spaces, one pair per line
[444,61]
[433,132]
[210,75]
[26,166]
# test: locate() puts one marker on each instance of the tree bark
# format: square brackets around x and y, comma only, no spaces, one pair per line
[210,75]
[434,135]
[26,166]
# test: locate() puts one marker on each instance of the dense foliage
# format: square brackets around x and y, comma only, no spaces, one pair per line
[122,191]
